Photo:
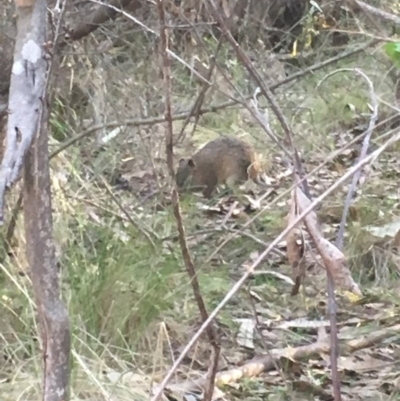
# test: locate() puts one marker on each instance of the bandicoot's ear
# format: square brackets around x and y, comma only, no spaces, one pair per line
[182,162]
[191,163]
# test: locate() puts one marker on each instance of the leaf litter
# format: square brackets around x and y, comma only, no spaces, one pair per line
[275,330]
[275,340]
[271,340]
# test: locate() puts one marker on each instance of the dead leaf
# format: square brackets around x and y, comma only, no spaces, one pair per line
[333,259]
[386,231]
[246,333]
[294,251]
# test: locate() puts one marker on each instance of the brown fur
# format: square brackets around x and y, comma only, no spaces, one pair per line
[221,161]
[24,3]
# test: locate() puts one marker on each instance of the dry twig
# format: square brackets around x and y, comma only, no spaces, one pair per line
[266,363]
[364,149]
[212,336]
[265,90]
[128,216]
[376,12]
[350,193]
[211,109]
[299,171]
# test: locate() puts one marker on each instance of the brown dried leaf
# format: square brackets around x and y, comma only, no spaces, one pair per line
[333,258]
[295,252]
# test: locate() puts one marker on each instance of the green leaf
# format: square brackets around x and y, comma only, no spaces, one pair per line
[393,51]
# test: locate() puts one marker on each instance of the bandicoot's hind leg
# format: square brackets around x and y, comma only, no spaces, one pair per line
[232,184]
[210,187]
[207,192]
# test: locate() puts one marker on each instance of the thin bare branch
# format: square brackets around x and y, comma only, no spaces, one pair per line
[196,108]
[376,12]
[209,387]
[328,159]
[211,109]
[340,236]
[296,162]
[364,149]
[265,90]
[127,215]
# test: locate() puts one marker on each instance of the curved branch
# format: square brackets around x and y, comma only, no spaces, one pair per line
[364,149]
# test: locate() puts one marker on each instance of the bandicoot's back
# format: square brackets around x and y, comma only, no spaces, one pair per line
[221,161]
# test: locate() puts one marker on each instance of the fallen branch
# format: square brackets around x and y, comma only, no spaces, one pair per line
[267,363]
